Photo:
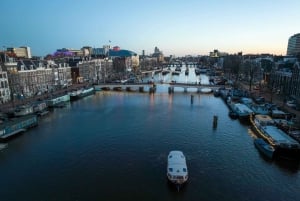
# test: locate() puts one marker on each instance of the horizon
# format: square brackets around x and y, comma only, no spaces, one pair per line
[176,28]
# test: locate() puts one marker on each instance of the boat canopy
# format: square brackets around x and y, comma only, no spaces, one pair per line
[177,163]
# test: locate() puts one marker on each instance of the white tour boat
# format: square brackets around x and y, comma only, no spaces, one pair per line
[177,171]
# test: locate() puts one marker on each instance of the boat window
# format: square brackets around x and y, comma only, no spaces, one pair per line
[184,169]
[170,156]
[170,169]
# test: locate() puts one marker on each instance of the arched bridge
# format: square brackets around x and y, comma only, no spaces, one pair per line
[149,86]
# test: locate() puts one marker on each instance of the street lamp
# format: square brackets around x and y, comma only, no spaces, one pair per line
[106,64]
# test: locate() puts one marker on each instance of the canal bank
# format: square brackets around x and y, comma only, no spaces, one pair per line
[10,106]
[272,97]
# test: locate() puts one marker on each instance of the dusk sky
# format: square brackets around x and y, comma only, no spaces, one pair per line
[190,27]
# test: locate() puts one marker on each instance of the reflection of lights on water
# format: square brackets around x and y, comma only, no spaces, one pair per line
[251,133]
[170,101]
[152,99]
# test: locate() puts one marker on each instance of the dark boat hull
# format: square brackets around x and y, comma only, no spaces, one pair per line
[263,148]
[289,153]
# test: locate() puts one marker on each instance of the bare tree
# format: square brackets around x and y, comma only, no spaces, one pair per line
[250,67]
[232,65]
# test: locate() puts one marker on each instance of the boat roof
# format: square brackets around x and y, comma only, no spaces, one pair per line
[276,111]
[177,163]
[242,107]
[245,100]
[176,155]
[262,117]
[279,136]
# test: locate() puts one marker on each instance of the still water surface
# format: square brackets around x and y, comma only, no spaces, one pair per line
[114,146]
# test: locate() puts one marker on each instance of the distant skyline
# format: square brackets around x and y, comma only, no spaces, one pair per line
[190,27]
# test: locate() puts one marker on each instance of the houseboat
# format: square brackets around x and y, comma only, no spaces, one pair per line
[23,110]
[40,108]
[17,125]
[80,93]
[243,111]
[58,100]
[283,144]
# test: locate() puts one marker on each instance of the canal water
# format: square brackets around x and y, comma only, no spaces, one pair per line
[114,146]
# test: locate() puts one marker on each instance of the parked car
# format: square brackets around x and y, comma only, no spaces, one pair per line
[256,87]
[259,100]
[271,106]
[291,103]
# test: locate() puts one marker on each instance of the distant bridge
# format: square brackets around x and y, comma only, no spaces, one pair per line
[141,87]
[199,87]
[122,87]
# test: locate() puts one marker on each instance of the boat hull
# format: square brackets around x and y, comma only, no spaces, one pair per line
[287,152]
[264,147]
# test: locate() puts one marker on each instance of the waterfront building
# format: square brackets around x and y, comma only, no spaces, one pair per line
[94,70]
[85,51]
[62,75]
[158,55]
[4,87]
[295,81]
[217,53]
[27,77]
[25,82]
[147,62]
[285,78]
[124,60]
[294,45]
[19,52]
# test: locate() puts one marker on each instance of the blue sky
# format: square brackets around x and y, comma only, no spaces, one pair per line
[177,27]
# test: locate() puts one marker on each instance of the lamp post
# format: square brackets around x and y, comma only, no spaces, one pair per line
[106,63]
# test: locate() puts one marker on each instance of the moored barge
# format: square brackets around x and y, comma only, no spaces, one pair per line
[283,144]
[17,125]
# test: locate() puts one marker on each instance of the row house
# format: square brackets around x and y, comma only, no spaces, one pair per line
[62,75]
[4,87]
[28,78]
